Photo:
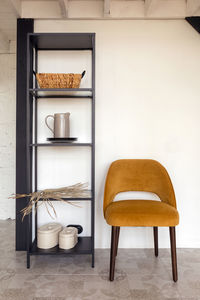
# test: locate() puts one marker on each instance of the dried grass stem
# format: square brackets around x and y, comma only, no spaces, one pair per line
[78,190]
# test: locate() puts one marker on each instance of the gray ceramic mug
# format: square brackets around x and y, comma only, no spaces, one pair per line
[61,128]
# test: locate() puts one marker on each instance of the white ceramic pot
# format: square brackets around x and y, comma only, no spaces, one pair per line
[47,235]
[68,238]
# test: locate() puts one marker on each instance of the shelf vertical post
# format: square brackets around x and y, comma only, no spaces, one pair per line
[36,139]
[93,149]
[29,134]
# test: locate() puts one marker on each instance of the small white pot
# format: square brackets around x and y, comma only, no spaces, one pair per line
[68,238]
[47,235]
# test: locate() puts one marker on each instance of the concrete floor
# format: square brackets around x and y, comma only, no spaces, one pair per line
[139,275]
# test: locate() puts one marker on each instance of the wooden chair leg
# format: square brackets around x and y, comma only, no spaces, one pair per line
[173,252]
[113,252]
[155,233]
[117,240]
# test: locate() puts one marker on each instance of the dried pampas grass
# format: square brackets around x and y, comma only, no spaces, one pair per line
[46,196]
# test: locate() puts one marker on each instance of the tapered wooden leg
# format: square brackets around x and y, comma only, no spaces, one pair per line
[173,252]
[117,239]
[155,233]
[113,252]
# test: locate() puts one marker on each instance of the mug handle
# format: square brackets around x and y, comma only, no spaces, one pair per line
[47,123]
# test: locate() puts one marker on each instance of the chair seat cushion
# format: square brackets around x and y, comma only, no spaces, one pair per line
[141,213]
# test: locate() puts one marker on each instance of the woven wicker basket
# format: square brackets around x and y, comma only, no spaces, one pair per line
[59,81]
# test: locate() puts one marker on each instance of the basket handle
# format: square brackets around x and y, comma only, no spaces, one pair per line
[47,123]
[79,227]
[83,74]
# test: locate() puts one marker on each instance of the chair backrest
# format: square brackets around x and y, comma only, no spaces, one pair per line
[144,175]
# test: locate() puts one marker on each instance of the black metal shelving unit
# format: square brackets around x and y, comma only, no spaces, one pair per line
[56,41]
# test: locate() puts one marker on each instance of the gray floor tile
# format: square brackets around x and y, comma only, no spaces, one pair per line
[139,275]
[18,294]
[49,298]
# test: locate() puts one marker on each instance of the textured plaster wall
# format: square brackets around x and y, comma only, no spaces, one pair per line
[7,134]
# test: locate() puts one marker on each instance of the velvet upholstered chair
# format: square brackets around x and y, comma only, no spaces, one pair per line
[140,175]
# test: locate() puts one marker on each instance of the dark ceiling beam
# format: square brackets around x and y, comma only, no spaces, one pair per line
[195,22]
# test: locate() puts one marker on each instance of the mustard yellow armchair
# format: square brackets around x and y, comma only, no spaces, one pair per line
[140,175]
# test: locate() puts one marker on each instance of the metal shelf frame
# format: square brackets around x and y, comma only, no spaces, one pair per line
[82,247]
[62,145]
[56,41]
[61,93]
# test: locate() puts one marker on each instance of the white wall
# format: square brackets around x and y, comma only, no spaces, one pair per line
[7,135]
[147,106]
